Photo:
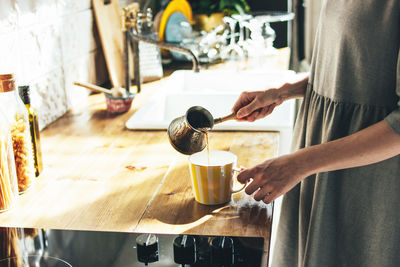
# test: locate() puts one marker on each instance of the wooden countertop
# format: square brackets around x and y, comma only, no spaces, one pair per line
[100,176]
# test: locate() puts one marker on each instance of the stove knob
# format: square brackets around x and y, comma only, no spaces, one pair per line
[147,248]
[222,251]
[185,249]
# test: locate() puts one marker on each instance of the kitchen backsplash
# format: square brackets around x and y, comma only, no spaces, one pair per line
[50,44]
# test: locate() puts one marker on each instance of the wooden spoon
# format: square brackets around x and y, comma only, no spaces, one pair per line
[115,92]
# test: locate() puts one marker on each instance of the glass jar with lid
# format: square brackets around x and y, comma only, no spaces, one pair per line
[8,178]
[17,116]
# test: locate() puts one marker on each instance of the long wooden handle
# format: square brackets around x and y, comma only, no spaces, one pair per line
[93,87]
[226,118]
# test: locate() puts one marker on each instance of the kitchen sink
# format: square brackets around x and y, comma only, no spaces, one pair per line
[158,113]
[216,91]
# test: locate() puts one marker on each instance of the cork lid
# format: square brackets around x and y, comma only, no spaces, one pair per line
[7,82]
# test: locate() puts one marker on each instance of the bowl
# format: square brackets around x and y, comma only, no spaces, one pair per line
[120,104]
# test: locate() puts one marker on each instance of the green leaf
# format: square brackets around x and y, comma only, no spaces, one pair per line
[239,8]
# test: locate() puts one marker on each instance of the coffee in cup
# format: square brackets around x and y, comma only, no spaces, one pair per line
[212,177]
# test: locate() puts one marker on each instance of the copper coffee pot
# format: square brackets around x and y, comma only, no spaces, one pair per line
[187,133]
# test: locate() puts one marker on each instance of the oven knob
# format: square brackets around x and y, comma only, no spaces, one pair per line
[185,249]
[222,251]
[147,248]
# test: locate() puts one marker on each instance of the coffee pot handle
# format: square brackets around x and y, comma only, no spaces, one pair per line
[226,118]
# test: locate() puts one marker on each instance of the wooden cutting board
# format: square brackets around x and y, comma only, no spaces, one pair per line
[108,19]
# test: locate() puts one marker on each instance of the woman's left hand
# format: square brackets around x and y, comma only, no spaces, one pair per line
[272,178]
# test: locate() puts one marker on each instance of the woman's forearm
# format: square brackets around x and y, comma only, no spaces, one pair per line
[370,145]
[293,90]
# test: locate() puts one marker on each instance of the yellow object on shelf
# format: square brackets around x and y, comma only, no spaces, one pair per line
[208,23]
[181,6]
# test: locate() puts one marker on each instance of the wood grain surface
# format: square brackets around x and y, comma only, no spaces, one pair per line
[100,176]
[174,209]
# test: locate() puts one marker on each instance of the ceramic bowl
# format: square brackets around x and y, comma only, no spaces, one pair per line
[117,105]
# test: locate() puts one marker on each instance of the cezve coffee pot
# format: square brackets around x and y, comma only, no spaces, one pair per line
[187,134]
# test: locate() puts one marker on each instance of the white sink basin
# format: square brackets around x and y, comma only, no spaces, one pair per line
[216,91]
[227,80]
[158,113]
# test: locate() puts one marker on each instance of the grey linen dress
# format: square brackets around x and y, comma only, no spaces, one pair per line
[348,217]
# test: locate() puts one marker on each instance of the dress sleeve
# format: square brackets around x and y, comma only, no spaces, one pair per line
[393,119]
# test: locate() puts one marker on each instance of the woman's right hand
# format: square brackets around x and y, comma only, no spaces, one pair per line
[252,106]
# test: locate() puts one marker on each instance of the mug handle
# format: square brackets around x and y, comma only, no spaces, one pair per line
[235,169]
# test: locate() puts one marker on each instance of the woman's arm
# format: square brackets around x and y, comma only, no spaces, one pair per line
[255,105]
[373,144]
[275,177]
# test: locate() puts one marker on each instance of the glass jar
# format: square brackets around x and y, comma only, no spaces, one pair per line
[8,177]
[17,117]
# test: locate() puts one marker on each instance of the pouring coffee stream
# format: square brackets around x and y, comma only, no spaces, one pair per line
[187,134]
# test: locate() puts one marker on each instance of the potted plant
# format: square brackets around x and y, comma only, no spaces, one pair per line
[209,13]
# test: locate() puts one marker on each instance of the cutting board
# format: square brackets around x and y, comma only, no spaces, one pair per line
[108,20]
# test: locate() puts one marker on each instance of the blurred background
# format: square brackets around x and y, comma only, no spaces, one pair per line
[50,44]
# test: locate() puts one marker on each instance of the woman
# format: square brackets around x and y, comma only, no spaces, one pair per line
[342,184]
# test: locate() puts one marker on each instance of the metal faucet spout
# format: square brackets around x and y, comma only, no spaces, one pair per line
[132,36]
[168,46]
[134,39]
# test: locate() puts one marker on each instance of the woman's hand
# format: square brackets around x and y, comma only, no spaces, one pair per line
[277,176]
[252,106]
[273,178]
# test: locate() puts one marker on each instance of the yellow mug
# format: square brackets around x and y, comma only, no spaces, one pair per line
[212,176]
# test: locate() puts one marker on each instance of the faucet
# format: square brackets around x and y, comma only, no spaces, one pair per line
[132,37]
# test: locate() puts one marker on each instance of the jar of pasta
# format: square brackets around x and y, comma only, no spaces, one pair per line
[17,116]
[8,178]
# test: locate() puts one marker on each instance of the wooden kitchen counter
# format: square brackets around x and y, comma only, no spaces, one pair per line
[100,176]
